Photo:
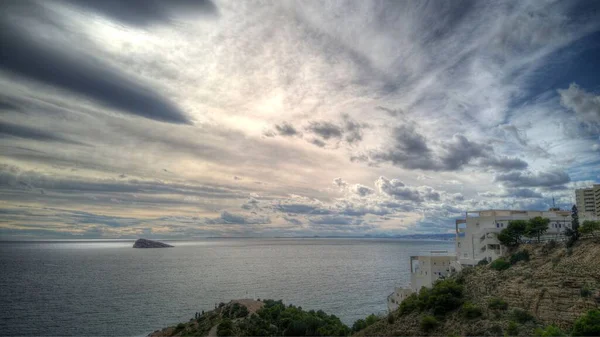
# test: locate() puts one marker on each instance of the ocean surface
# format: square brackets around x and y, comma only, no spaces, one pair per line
[93,288]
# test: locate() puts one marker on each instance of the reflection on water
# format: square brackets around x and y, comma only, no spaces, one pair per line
[95,287]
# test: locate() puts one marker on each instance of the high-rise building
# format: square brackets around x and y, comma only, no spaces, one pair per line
[588,200]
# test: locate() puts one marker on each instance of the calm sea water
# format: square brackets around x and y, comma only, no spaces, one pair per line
[91,288]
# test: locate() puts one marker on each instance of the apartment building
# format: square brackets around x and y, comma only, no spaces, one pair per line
[476,234]
[588,201]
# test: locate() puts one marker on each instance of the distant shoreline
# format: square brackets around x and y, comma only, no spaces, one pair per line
[424,237]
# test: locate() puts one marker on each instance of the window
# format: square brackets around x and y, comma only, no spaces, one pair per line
[497,225]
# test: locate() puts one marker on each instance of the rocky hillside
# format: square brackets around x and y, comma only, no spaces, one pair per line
[553,286]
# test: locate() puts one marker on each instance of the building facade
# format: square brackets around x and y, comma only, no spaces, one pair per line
[424,271]
[476,234]
[476,239]
[588,201]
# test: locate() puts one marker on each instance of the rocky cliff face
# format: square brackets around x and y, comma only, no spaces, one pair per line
[145,243]
[557,285]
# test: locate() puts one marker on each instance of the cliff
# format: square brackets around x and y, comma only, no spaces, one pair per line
[145,243]
[556,286]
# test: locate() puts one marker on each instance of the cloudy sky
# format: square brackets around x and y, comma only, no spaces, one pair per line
[190,118]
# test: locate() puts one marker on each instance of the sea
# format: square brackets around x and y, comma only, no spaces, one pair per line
[107,288]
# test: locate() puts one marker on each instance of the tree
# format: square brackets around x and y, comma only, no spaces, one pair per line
[589,227]
[588,324]
[511,235]
[574,218]
[536,227]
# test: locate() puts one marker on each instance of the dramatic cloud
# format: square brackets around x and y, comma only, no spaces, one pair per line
[31,133]
[325,130]
[530,179]
[286,129]
[81,73]
[195,118]
[585,105]
[145,12]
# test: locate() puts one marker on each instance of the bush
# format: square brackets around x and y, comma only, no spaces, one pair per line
[497,304]
[549,331]
[443,297]
[225,328]
[519,256]
[521,316]
[470,311]
[391,318]
[500,264]
[410,304]
[359,325]
[429,323]
[588,324]
[371,319]
[512,329]
[482,262]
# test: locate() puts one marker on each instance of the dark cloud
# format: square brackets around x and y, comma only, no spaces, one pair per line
[514,193]
[238,219]
[14,130]
[298,207]
[325,130]
[409,149]
[504,163]
[145,12]
[353,129]
[286,129]
[318,142]
[398,189]
[83,74]
[460,151]
[333,220]
[529,179]
[391,112]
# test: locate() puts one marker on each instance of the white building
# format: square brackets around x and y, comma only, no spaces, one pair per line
[424,271]
[475,240]
[588,201]
[476,233]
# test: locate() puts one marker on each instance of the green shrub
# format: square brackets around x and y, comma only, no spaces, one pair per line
[371,319]
[390,318]
[429,323]
[482,262]
[521,316]
[470,311]
[445,296]
[359,325]
[512,329]
[500,264]
[549,331]
[519,256]
[588,324]
[410,304]
[497,304]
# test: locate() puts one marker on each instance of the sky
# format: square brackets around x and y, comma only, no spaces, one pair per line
[201,118]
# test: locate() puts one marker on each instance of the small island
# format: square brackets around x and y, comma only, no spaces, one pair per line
[145,243]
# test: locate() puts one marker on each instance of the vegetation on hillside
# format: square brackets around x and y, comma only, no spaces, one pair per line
[514,297]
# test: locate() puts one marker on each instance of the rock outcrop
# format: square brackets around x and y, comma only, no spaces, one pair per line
[145,243]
